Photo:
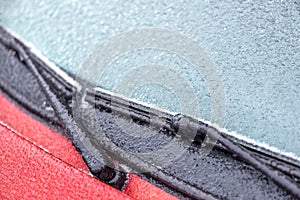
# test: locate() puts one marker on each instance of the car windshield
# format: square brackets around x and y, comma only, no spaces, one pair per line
[253,49]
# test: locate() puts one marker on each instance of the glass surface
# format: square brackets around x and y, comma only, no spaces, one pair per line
[254,45]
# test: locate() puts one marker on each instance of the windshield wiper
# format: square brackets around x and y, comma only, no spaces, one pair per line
[117,178]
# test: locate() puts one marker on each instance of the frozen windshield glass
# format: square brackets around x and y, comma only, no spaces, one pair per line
[253,44]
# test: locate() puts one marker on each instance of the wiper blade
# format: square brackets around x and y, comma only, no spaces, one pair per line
[73,131]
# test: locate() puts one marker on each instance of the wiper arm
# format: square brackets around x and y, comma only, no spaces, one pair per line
[113,177]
